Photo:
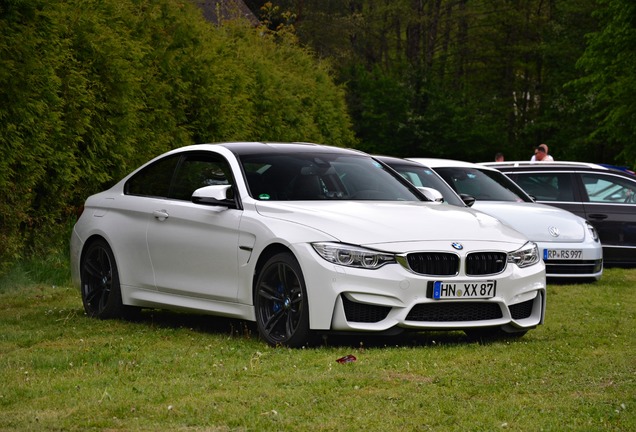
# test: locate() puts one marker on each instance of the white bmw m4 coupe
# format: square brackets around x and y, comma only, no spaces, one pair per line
[303,239]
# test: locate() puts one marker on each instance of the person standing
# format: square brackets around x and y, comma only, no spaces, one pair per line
[499,157]
[541,154]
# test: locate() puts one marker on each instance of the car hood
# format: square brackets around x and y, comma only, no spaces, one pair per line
[538,222]
[373,224]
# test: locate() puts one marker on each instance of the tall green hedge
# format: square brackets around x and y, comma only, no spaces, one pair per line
[89,89]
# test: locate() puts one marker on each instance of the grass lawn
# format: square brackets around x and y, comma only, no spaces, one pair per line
[60,370]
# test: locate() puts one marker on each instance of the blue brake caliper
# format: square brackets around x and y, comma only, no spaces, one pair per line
[278,305]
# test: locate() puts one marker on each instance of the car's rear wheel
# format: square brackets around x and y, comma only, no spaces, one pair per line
[280,301]
[101,292]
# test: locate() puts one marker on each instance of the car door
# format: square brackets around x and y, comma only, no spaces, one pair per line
[610,205]
[194,247]
[556,188]
[145,191]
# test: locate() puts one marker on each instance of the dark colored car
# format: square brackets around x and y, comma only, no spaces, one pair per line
[606,197]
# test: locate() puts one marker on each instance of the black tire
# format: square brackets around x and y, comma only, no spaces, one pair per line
[280,302]
[101,292]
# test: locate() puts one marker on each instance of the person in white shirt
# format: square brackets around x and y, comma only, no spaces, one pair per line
[541,154]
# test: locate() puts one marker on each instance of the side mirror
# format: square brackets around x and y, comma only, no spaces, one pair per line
[217,195]
[431,194]
[469,200]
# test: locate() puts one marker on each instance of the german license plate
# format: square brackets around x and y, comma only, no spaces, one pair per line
[455,290]
[562,254]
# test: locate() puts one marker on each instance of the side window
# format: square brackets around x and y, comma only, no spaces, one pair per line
[154,180]
[412,177]
[197,170]
[546,186]
[608,189]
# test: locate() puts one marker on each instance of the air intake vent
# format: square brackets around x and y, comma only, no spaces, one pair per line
[455,311]
[521,310]
[364,313]
[567,267]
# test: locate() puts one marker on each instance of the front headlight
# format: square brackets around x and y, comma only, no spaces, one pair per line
[525,256]
[353,256]
[592,231]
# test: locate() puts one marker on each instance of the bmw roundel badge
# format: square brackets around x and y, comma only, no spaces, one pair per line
[457,245]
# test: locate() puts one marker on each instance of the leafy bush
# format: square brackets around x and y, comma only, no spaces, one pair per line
[89,89]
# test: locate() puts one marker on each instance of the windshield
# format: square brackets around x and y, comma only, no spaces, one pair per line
[322,176]
[484,185]
[423,176]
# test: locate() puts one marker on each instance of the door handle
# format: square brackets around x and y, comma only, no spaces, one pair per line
[597,216]
[161,215]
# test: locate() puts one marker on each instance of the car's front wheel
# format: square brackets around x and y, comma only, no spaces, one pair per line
[101,294]
[280,301]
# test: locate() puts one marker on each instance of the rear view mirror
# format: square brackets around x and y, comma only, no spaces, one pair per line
[431,194]
[219,195]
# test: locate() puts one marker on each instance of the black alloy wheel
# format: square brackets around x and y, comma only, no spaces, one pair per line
[280,300]
[101,294]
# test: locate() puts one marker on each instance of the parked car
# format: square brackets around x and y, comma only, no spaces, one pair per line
[302,239]
[605,196]
[569,245]
[424,177]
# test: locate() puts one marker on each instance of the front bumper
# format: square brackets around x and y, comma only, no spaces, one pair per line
[351,299]
[572,260]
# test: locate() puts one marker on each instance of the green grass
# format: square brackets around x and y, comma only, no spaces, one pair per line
[62,371]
